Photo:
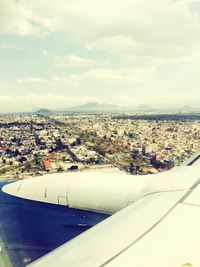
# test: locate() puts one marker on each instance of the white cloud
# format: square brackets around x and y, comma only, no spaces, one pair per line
[32,80]
[45,53]
[121,75]
[142,35]
[30,101]
[155,99]
[179,98]
[165,29]
[73,61]
[6,45]
[4,85]
[71,80]
[15,18]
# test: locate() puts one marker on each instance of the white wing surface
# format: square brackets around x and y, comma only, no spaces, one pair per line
[160,230]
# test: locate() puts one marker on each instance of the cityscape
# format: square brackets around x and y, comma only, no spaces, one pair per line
[33,144]
[99,133]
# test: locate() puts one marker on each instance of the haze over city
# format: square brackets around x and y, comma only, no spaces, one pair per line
[57,54]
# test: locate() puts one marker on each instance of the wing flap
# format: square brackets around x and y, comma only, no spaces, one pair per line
[110,239]
[175,241]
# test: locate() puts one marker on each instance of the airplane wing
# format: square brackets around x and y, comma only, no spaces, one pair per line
[160,230]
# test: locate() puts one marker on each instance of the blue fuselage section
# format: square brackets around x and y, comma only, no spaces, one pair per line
[30,229]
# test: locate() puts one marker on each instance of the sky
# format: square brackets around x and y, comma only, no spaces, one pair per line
[56,54]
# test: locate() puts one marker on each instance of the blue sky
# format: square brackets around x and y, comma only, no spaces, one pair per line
[62,53]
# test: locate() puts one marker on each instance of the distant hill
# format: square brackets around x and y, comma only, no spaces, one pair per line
[43,111]
[94,106]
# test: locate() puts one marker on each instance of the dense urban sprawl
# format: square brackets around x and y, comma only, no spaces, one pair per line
[33,144]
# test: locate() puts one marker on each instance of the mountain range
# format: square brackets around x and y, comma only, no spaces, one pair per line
[94,106]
